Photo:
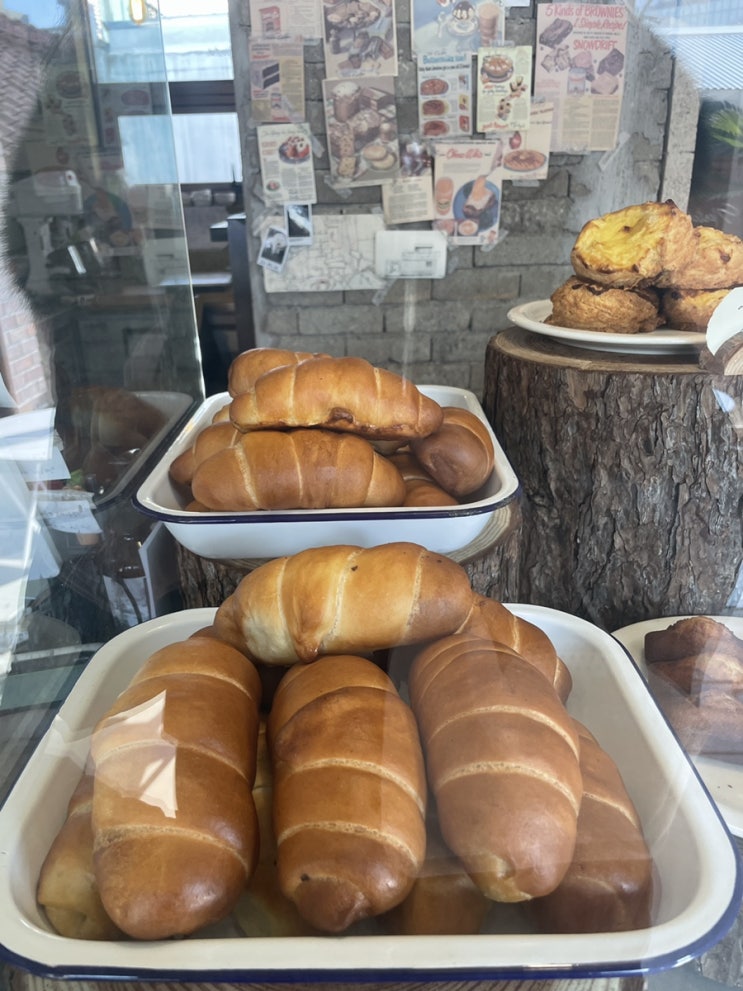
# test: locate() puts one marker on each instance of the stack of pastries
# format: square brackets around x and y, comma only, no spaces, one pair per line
[309,431]
[644,267]
[348,795]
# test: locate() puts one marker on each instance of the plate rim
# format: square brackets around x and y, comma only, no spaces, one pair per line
[611,962]
[662,340]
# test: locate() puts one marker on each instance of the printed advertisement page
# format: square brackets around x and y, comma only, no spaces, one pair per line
[286,163]
[456,27]
[525,154]
[445,96]
[409,199]
[503,81]
[361,120]
[277,80]
[360,38]
[286,17]
[579,67]
[467,191]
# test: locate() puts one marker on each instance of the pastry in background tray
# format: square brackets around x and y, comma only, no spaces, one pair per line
[717,263]
[690,309]
[632,247]
[695,672]
[586,305]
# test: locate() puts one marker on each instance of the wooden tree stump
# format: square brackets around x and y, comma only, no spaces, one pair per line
[630,467]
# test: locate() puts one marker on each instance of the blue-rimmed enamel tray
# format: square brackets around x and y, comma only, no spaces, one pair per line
[699,882]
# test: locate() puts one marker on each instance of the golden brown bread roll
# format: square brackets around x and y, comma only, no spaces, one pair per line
[263,909]
[67,889]
[347,394]
[444,899]
[717,263]
[297,469]
[633,246]
[491,620]
[209,440]
[690,310]
[586,305]
[350,792]
[420,488]
[340,598]
[459,455]
[609,885]
[174,823]
[502,760]
[246,368]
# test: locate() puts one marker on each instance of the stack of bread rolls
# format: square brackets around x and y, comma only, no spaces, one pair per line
[309,431]
[480,789]
[644,267]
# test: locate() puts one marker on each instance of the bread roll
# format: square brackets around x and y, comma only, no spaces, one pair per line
[502,760]
[609,885]
[350,792]
[67,889]
[444,900]
[459,455]
[246,368]
[491,620]
[346,394]
[420,488]
[174,824]
[297,469]
[341,598]
[263,909]
[208,441]
[633,246]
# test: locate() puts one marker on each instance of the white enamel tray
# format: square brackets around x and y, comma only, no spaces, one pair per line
[531,316]
[723,779]
[460,532]
[698,896]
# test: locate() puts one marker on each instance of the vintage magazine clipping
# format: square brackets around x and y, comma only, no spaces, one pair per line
[361,121]
[456,27]
[287,169]
[445,96]
[526,154]
[277,80]
[409,199]
[467,191]
[287,18]
[579,67]
[503,88]
[360,39]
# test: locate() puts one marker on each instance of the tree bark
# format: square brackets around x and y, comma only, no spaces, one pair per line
[630,468]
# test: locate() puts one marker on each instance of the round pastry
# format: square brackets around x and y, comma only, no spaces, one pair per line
[589,306]
[717,263]
[632,247]
[690,309]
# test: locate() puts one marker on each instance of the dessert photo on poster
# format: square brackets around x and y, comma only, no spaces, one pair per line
[362,133]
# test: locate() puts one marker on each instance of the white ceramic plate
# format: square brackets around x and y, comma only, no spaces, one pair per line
[460,532]
[724,780]
[531,316]
[698,895]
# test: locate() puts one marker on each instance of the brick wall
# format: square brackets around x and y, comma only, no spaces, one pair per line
[437,331]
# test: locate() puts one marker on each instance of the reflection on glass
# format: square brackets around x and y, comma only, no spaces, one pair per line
[99,355]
